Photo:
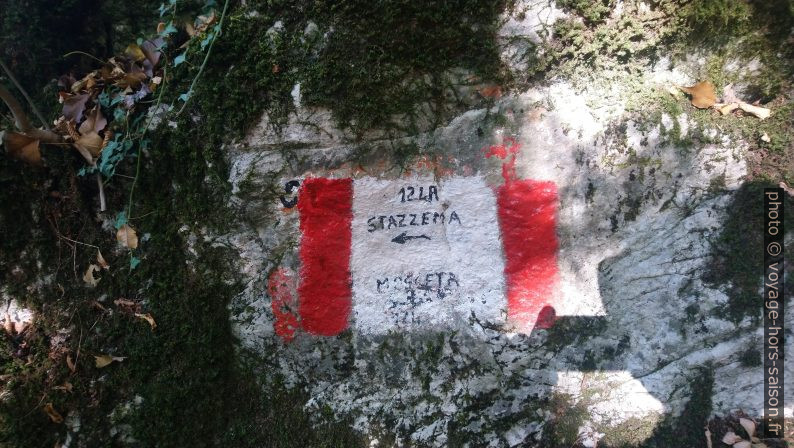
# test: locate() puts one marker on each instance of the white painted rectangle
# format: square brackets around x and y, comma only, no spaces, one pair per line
[447,268]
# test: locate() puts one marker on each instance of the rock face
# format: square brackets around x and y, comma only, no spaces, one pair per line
[443,358]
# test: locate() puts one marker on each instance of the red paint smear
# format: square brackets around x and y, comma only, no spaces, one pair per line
[527,217]
[326,211]
[281,287]
[502,151]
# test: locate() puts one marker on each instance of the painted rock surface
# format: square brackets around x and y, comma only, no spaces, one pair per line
[513,272]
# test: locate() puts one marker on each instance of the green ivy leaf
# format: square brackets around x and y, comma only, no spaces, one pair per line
[179,59]
[169,29]
[121,219]
[207,40]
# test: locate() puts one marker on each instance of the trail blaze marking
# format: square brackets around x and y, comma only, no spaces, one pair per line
[410,254]
[324,290]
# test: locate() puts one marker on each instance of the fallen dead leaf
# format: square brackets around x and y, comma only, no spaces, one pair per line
[748,426]
[730,438]
[135,52]
[97,305]
[67,387]
[90,142]
[127,237]
[760,112]
[124,303]
[743,444]
[708,438]
[20,326]
[106,360]
[786,188]
[21,147]
[765,138]
[94,121]
[491,91]
[702,94]
[70,363]
[73,107]
[725,109]
[89,278]
[131,80]
[52,413]
[148,318]
[101,260]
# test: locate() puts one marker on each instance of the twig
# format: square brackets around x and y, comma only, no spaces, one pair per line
[206,58]
[102,206]
[86,54]
[24,94]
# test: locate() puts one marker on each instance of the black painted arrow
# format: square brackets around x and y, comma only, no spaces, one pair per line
[402,238]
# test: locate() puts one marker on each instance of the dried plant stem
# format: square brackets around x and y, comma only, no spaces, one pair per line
[25,95]
[102,206]
[206,57]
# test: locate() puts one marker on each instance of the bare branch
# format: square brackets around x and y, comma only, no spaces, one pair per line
[22,122]
[25,95]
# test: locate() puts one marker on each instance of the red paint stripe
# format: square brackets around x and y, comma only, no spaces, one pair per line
[326,211]
[281,287]
[527,217]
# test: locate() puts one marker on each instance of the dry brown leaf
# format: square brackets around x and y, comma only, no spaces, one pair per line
[702,94]
[127,237]
[73,106]
[135,52]
[730,438]
[748,426]
[725,109]
[148,318]
[765,138]
[67,387]
[160,27]
[94,121]
[101,260]
[786,188]
[106,360]
[124,303]
[90,142]
[89,278]
[491,91]
[21,147]
[20,326]
[97,305]
[70,363]
[52,413]
[760,112]
[743,444]
[131,80]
